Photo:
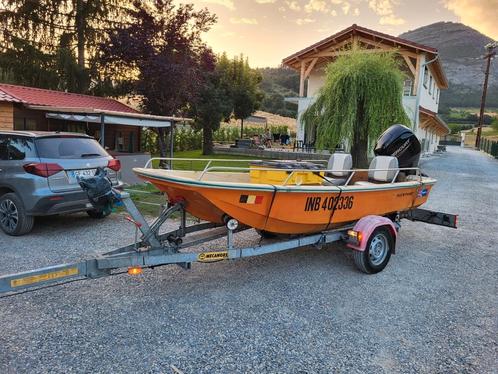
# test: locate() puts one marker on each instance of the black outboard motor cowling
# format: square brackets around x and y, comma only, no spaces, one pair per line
[400,142]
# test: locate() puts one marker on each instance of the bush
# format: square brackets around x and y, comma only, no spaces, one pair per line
[494,124]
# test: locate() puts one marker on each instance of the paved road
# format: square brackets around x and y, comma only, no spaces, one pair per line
[433,309]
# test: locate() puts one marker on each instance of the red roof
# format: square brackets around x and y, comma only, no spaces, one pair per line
[38,96]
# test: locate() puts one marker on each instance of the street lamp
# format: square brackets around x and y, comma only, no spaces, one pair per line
[490,53]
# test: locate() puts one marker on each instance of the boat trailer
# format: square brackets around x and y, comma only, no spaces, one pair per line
[152,248]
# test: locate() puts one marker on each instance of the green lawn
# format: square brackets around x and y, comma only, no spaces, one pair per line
[199,165]
[148,198]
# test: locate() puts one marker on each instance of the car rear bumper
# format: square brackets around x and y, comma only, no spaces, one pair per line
[61,203]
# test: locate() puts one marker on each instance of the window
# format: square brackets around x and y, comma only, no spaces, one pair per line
[437,96]
[24,124]
[19,148]
[4,154]
[426,76]
[16,148]
[430,85]
[407,87]
[69,148]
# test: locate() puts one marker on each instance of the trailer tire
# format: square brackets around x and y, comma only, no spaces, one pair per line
[377,253]
[13,218]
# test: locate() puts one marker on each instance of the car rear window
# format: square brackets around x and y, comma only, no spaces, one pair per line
[67,147]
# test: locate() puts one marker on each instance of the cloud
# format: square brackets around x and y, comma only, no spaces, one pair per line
[303,21]
[345,7]
[244,21]
[226,3]
[356,12]
[316,6]
[480,14]
[266,1]
[391,20]
[385,9]
[293,5]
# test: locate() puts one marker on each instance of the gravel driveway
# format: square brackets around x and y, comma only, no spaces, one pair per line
[433,309]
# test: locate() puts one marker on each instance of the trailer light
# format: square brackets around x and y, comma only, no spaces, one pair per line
[232,224]
[134,270]
[355,236]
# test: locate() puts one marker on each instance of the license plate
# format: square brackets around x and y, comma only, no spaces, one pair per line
[75,174]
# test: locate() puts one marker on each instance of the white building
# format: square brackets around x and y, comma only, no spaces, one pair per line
[423,68]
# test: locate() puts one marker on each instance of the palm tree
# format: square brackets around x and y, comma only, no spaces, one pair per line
[361,97]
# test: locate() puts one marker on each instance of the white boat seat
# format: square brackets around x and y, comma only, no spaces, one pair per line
[339,164]
[383,175]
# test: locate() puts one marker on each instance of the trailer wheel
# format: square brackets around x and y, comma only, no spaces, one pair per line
[377,252]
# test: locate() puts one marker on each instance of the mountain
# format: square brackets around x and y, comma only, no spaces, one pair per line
[461,49]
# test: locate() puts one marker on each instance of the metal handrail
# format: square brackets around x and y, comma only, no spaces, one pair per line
[208,168]
[292,171]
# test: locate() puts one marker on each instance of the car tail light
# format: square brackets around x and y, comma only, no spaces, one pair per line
[114,164]
[43,169]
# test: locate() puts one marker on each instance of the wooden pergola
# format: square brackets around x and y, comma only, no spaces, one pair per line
[368,41]
[430,121]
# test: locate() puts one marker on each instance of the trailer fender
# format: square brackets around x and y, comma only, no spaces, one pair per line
[366,227]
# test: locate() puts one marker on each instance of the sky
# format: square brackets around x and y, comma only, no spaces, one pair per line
[269,30]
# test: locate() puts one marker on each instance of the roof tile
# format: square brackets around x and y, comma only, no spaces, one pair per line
[38,96]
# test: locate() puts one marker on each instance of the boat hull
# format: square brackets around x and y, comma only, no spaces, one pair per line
[292,209]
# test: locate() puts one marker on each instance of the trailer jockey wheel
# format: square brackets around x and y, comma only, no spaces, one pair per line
[377,252]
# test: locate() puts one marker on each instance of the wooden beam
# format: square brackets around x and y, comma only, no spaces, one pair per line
[340,53]
[301,82]
[310,67]
[410,64]
[417,75]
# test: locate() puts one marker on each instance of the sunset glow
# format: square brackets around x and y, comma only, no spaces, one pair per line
[269,30]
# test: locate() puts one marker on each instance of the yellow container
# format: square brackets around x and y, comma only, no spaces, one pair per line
[279,177]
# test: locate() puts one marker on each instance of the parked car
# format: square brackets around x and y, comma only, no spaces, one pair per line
[39,176]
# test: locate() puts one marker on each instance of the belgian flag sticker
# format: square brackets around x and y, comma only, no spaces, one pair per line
[250,199]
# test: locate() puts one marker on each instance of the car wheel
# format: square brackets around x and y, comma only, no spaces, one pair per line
[377,252]
[97,214]
[13,218]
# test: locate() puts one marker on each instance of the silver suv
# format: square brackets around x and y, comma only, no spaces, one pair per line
[39,176]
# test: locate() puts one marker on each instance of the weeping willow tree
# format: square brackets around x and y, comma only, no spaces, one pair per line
[361,97]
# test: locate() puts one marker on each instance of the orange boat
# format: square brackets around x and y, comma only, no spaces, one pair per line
[291,208]
[289,197]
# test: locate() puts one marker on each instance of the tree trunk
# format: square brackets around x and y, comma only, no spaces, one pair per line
[359,148]
[242,128]
[161,142]
[207,140]
[80,35]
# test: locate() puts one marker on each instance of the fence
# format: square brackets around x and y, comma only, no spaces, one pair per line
[489,146]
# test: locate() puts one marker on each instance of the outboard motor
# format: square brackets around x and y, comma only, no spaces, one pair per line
[400,142]
[99,191]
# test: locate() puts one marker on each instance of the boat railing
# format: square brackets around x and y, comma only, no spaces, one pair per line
[291,171]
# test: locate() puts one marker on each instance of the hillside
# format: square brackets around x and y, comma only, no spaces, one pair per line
[460,48]
[277,84]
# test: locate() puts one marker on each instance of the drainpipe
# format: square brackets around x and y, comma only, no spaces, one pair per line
[102,130]
[419,89]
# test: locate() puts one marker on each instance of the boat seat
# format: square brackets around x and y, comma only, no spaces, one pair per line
[340,164]
[383,175]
